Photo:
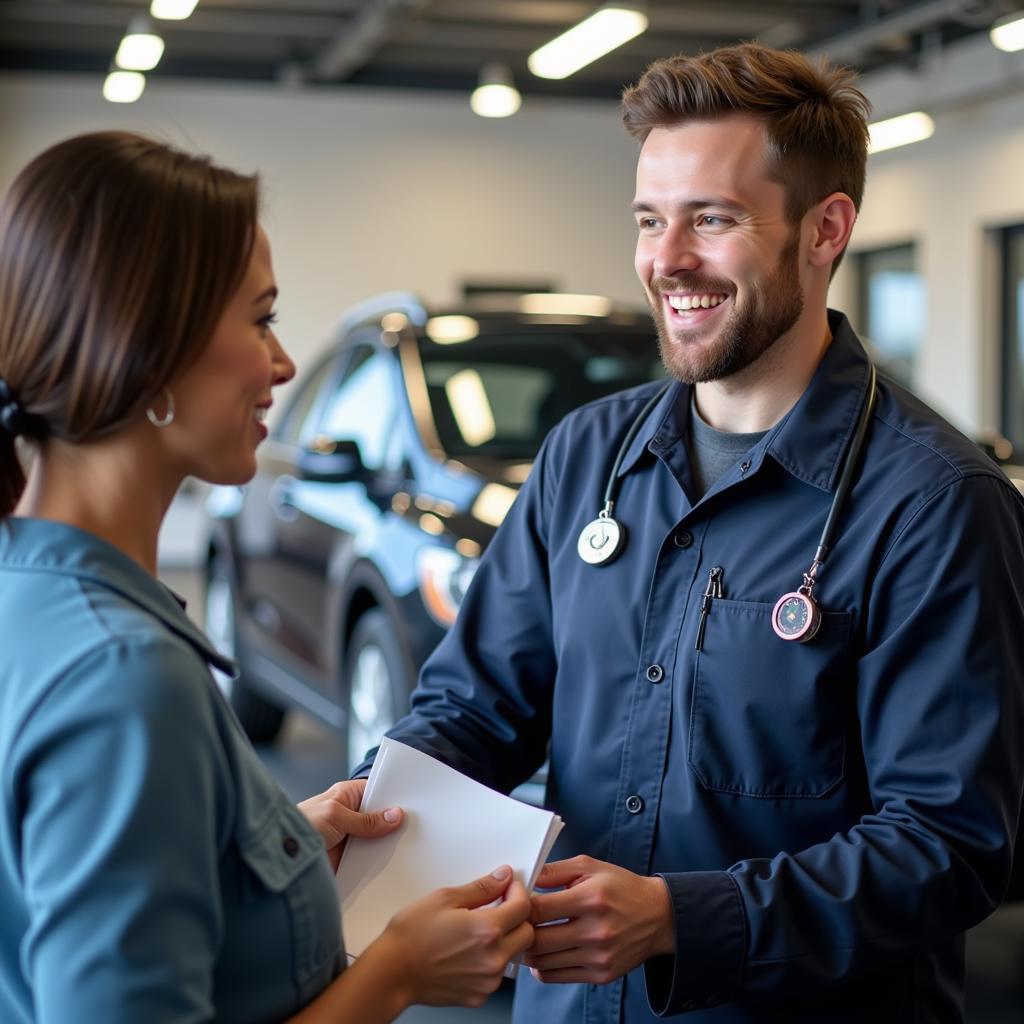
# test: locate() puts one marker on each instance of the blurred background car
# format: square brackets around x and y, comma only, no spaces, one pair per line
[334,573]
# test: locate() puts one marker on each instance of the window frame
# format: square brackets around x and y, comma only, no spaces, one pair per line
[861,261]
[1011,364]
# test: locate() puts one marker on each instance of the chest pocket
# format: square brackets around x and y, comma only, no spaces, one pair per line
[286,861]
[767,717]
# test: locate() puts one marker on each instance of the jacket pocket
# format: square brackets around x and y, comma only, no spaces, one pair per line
[286,860]
[767,715]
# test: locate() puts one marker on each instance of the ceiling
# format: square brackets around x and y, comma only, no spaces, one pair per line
[442,44]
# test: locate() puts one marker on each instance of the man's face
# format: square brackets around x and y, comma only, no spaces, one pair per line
[716,255]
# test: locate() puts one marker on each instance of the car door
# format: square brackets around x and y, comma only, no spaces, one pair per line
[276,596]
[325,522]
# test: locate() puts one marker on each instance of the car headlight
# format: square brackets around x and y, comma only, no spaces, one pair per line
[444,577]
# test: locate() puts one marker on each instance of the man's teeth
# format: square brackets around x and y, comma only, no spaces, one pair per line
[260,414]
[684,302]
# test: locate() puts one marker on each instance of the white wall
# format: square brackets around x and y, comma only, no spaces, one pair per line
[949,194]
[369,191]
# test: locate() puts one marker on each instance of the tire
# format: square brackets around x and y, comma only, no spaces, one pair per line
[378,683]
[260,719]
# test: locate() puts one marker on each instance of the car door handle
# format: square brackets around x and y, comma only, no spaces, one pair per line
[281,500]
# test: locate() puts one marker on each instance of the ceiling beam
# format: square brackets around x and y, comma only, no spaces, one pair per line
[355,46]
[852,45]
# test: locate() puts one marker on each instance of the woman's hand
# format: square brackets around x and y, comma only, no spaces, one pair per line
[335,815]
[452,946]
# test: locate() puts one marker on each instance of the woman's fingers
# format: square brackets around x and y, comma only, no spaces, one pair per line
[366,825]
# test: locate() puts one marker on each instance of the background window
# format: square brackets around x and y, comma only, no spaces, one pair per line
[891,308]
[1013,336]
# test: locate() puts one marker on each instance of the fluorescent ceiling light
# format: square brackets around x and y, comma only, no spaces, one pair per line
[1008,33]
[593,37]
[562,302]
[449,330]
[172,10]
[496,95]
[139,51]
[900,131]
[123,86]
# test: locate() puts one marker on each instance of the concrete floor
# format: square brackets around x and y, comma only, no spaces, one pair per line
[304,760]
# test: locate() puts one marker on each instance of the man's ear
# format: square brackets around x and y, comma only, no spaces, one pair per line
[833,219]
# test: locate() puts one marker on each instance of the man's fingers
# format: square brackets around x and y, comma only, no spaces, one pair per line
[554,906]
[562,960]
[562,872]
[556,938]
[481,891]
[564,976]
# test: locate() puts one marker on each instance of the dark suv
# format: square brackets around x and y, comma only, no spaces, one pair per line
[335,572]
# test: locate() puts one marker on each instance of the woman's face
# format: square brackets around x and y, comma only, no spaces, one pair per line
[222,399]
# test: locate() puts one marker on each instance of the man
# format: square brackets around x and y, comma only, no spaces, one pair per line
[757,828]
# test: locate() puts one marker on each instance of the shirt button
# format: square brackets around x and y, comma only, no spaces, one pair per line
[634,804]
[683,539]
[655,673]
[290,846]
[744,465]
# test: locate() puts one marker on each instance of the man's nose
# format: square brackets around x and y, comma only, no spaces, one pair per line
[676,254]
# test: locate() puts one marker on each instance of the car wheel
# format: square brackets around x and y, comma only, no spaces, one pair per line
[379,684]
[260,719]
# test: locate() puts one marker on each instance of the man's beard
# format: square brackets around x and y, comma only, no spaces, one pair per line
[749,331]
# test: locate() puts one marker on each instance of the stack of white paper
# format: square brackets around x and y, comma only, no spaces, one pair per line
[454,830]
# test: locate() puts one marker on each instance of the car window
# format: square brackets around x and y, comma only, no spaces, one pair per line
[290,429]
[363,408]
[500,395]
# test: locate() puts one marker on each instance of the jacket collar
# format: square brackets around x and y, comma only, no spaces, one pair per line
[809,441]
[41,545]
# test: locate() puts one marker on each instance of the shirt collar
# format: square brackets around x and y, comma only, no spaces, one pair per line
[41,545]
[809,441]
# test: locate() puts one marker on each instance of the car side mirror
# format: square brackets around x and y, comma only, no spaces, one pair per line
[328,460]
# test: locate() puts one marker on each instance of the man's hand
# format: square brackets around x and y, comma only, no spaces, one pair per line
[611,920]
[335,815]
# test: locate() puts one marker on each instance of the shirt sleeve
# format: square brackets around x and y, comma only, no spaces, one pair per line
[117,778]
[483,702]
[939,698]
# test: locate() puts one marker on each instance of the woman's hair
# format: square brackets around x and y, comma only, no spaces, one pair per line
[118,254]
[815,118]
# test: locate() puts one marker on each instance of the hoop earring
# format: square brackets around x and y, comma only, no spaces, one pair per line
[168,418]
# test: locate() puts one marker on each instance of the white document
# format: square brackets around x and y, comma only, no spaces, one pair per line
[454,830]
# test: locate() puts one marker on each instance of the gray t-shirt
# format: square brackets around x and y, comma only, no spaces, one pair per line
[712,451]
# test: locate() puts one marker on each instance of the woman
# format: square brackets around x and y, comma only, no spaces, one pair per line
[150,869]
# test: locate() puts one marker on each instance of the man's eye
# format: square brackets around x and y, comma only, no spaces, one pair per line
[711,220]
[647,222]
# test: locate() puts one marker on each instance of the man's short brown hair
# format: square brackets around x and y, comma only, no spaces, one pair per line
[815,117]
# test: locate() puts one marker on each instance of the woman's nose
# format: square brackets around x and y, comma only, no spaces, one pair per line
[284,368]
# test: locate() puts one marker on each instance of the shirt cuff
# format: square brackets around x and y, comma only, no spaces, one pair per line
[711,943]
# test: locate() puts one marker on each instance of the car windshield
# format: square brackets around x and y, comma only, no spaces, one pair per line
[500,393]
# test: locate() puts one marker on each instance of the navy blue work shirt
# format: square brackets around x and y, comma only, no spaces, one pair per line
[829,817]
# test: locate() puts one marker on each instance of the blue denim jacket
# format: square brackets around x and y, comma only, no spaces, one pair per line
[830,817]
[150,869]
